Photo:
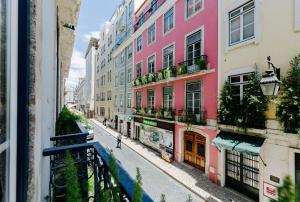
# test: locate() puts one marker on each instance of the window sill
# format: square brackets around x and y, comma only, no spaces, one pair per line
[151,43]
[241,44]
[167,32]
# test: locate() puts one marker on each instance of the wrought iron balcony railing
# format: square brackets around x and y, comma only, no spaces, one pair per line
[196,118]
[148,13]
[92,163]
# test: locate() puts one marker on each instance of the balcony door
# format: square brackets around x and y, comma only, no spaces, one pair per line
[194,149]
[193,50]
[193,99]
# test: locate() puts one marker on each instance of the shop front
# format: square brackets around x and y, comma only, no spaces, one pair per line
[242,162]
[157,135]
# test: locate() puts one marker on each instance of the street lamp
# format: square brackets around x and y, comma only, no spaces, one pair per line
[270,81]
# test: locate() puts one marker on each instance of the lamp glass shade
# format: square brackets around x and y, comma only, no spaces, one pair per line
[270,89]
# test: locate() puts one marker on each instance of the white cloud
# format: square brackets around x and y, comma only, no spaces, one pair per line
[87,36]
[77,68]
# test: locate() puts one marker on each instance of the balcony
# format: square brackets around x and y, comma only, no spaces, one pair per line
[158,113]
[187,68]
[148,13]
[192,117]
[88,167]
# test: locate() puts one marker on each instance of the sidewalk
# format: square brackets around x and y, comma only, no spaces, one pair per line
[188,176]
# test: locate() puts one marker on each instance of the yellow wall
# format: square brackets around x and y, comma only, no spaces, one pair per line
[276,37]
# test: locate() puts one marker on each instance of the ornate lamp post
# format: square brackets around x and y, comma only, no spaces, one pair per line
[270,81]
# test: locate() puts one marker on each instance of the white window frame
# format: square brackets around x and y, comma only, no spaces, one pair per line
[257,24]
[152,38]
[151,100]
[129,100]
[136,72]
[201,95]
[122,79]
[165,32]
[121,100]
[154,63]
[194,12]
[167,46]
[139,47]
[129,75]
[168,100]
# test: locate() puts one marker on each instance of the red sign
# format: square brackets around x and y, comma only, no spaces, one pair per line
[270,191]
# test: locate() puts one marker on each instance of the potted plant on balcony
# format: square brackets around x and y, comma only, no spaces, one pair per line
[201,63]
[143,112]
[160,75]
[151,77]
[145,79]
[133,82]
[181,69]
[150,111]
[138,81]
[169,72]
[158,114]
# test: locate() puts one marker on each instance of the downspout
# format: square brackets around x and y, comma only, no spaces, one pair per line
[57,63]
[23,99]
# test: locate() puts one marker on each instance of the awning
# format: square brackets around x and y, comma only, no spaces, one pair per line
[240,143]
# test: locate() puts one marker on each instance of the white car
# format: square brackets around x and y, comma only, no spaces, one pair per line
[90,130]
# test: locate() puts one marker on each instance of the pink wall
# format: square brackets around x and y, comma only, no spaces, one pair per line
[207,18]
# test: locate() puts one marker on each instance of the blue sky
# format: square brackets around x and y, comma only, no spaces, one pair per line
[93,13]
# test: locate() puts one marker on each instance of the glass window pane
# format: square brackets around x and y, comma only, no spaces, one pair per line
[200,150]
[235,79]
[189,145]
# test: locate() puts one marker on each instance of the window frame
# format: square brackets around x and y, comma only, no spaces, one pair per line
[154,62]
[129,100]
[168,100]
[163,55]
[187,17]
[154,34]
[139,73]
[165,32]
[240,16]
[193,99]
[150,99]
[139,47]
[241,83]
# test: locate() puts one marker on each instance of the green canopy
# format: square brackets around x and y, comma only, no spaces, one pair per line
[238,142]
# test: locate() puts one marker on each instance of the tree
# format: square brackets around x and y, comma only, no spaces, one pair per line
[163,198]
[286,193]
[72,183]
[226,108]
[288,103]
[138,191]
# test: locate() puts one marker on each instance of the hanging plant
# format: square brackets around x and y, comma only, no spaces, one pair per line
[151,77]
[288,102]
[145,79]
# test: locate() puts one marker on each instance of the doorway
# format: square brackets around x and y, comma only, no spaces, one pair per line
[194,149]
[137,132]
[116,122]
[128,129]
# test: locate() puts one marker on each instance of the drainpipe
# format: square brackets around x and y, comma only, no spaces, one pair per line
[57,62]
[23,99]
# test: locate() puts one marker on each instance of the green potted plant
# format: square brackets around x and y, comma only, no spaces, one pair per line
[145,79]
[138,81]
[143,112]
[181,69]
[158,114]
[201,63]
[169,72]
[133,82]
[160,75]
[151,77]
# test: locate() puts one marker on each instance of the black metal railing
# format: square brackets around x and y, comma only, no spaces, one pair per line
[193,65]
[196,118]
[91,160]
[148,13]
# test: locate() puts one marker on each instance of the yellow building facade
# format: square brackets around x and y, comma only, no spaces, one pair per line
[249,32]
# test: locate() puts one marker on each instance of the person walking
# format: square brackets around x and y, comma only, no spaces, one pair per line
[119,141]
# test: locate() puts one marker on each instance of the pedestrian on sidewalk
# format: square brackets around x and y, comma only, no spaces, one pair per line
[119,141]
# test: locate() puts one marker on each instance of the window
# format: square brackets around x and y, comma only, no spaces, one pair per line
[238,83]
[241,23]
[130,9]
[122,78]
[169,20]
[153,6]
[168,97]
[193,48]
[138,70]
[141,18]
[121,100]
[193,97]
[116,81]
[139,42]
[151,64]
[98,83]
[102,96]
[168,56]
[129,52]
[193,6]
[138,99]
[151,99]
[116,101]
[151,34]
[129,75]
[122,57]
[129,98]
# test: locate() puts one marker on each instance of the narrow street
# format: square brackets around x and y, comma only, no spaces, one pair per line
[155,182]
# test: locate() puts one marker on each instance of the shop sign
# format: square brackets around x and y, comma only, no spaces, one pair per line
[129,117]
[274,179]
[150,123]
[270,191]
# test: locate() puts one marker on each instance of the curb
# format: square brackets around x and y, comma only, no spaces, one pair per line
[164,171]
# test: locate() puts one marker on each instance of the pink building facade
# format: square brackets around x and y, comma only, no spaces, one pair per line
[175,80]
